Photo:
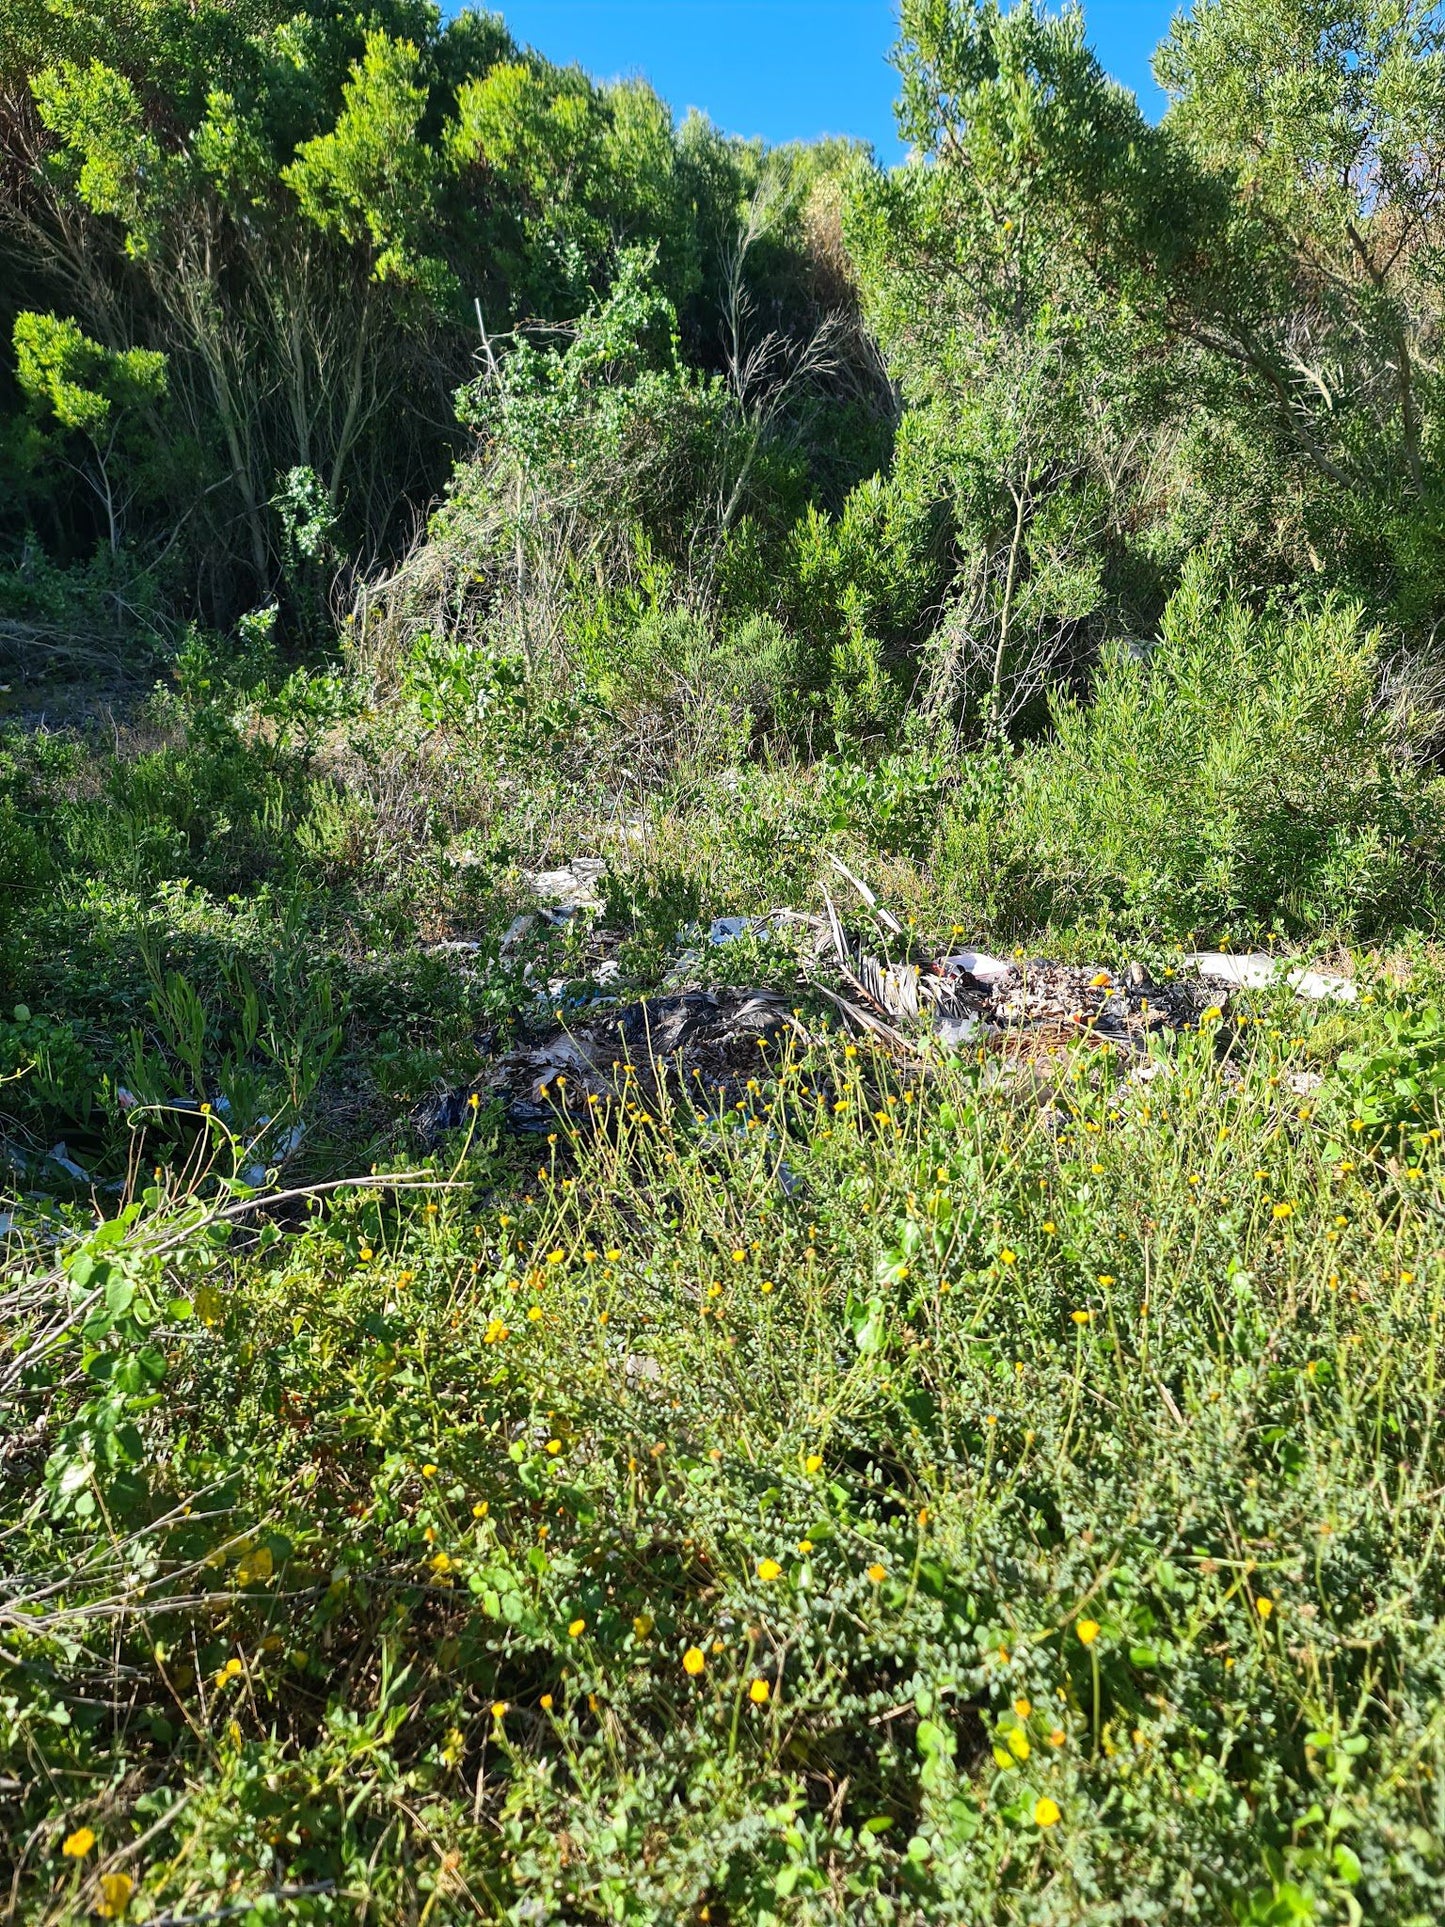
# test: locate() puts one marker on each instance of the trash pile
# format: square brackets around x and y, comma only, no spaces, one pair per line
[704,1042]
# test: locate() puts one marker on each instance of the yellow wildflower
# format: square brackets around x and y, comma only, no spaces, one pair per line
[115,1892]
[257,1564]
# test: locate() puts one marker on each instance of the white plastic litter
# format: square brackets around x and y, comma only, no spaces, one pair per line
[573,888]
[1256,970]
[960,1030]
[285,1145]
[978,963]
[729,929]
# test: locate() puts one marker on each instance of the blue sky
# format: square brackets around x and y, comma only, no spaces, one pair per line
[786,69]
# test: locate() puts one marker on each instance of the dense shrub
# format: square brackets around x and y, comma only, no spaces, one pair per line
[1240,771]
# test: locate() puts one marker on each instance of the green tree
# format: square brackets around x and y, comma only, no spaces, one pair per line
[1329,122]
[1325,122]
[574,172]
[96,409]
[372,180]
[1024,373]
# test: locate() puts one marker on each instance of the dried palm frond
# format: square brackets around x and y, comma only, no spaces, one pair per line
[898,990]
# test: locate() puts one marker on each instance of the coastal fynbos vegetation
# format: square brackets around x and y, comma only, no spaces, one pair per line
[479,556]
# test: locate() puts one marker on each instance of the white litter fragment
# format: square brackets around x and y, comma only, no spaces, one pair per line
[1148,1068]
[7,1220]
[1256,970]
[284,1147]
[572,888]
[729,929]
[978,963]
[960,1030]
[1311,983]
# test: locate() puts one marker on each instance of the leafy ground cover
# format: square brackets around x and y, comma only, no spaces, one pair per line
[912,1494]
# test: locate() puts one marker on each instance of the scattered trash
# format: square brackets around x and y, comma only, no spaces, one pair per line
[289,1142]
[572,888]
[702,1042]
[1016,1008]
[59,1154]
[728,929]
[960,1031]
[1256,970]
[977,963]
